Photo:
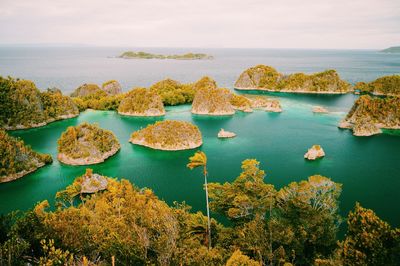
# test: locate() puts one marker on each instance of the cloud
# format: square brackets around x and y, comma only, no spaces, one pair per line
[203,23]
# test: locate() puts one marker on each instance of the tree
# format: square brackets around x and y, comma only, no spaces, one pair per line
[199,159]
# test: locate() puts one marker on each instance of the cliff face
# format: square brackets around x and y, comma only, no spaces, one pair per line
[369,115]
[210,100]
[24,106]
[267,78]
[387,85]
[112,87]
[168,135]
[17,159]
[86,90]
[141,102]
[86,144]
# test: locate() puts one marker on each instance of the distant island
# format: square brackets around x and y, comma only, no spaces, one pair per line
[393,49]
[144,55]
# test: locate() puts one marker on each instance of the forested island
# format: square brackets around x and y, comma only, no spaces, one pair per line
[383,86]
[23,106]
[370,114]
[141,102]
[172,92]
[144,55]
[168,135]
[393,49]
[86,144]
[267,78]
[294,225]
[18,159]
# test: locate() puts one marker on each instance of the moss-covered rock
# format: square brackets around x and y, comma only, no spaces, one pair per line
[17,159]
[141,102]
[258,77]
[86,144]
[86,90]
[168,135]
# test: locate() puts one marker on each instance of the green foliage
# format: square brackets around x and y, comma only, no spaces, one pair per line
[141,101]
[86,140]
[369,240]
[144,55]
[16,157]
[57,105]
[93,97]
[173,93]
[387,85]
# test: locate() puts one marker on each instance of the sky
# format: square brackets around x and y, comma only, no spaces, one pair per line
[338,24]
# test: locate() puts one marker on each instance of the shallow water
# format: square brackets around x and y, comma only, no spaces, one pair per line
[368,167]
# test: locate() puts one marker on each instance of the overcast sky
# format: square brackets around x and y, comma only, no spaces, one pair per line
[360,24]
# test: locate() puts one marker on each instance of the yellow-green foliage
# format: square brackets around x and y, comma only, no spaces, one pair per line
[172,92]
[23,104]
[387,85]
[93,97]
[144,55]
[376,110]
[140,100]
[108,82]
[239,259]
[240,102]
[86,140]
[15,156]
[86,90]
[328,81]
[204,82]
[169,133]
[260,76]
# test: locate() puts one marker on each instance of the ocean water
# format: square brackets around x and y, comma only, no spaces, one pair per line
[368,167]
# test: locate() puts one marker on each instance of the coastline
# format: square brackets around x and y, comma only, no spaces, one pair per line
[141,114]
[20,127]
[18,175]
[141,142]
[289,91]
[89,160]
[213,114]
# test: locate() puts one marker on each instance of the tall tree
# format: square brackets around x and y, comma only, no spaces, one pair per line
[199,159]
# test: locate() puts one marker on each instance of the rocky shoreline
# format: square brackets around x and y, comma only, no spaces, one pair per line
[157,146]
[147,113]
[16,176]
[289,91]
[62,117]
[88,160]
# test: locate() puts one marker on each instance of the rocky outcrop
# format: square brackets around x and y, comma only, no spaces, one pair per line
[168,135]
[266,104]
[86,90]
[266,78]
[112,87]
[141,102]
[210,100]
[91,182]
[371,114]
[383,86]
[319,109]
[226,134]
[86,144]
[314,152]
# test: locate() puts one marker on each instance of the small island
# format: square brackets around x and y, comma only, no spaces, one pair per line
[225,134]
[86,144]
[319,109]
[393,49]
[169,135]
[173,92]
[144,55]
[314,153]
[383,86]
[141,102]
[247,104]
[24,106]
[18,159]
[267,78]
[371,114]
[211,100]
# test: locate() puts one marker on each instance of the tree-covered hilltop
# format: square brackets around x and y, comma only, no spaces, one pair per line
[211,100]
[173,92]
[141,102]
[168,135]
[144,55]
[294,225]
[393,49]
[18,159]
[93,97]
[369,114]
[387,85]
[267,78]
[86,144]
[24,106]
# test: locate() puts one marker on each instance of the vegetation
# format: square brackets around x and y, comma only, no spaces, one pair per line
[210,100]
[168,135]
[295,225]
[144,55]
[368,114]
[393,49]
[86,141]
[172,92]
[387,85]
[268,78]
[17,159]
[141,102]
[112,87]
[24,106]
[240,102]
